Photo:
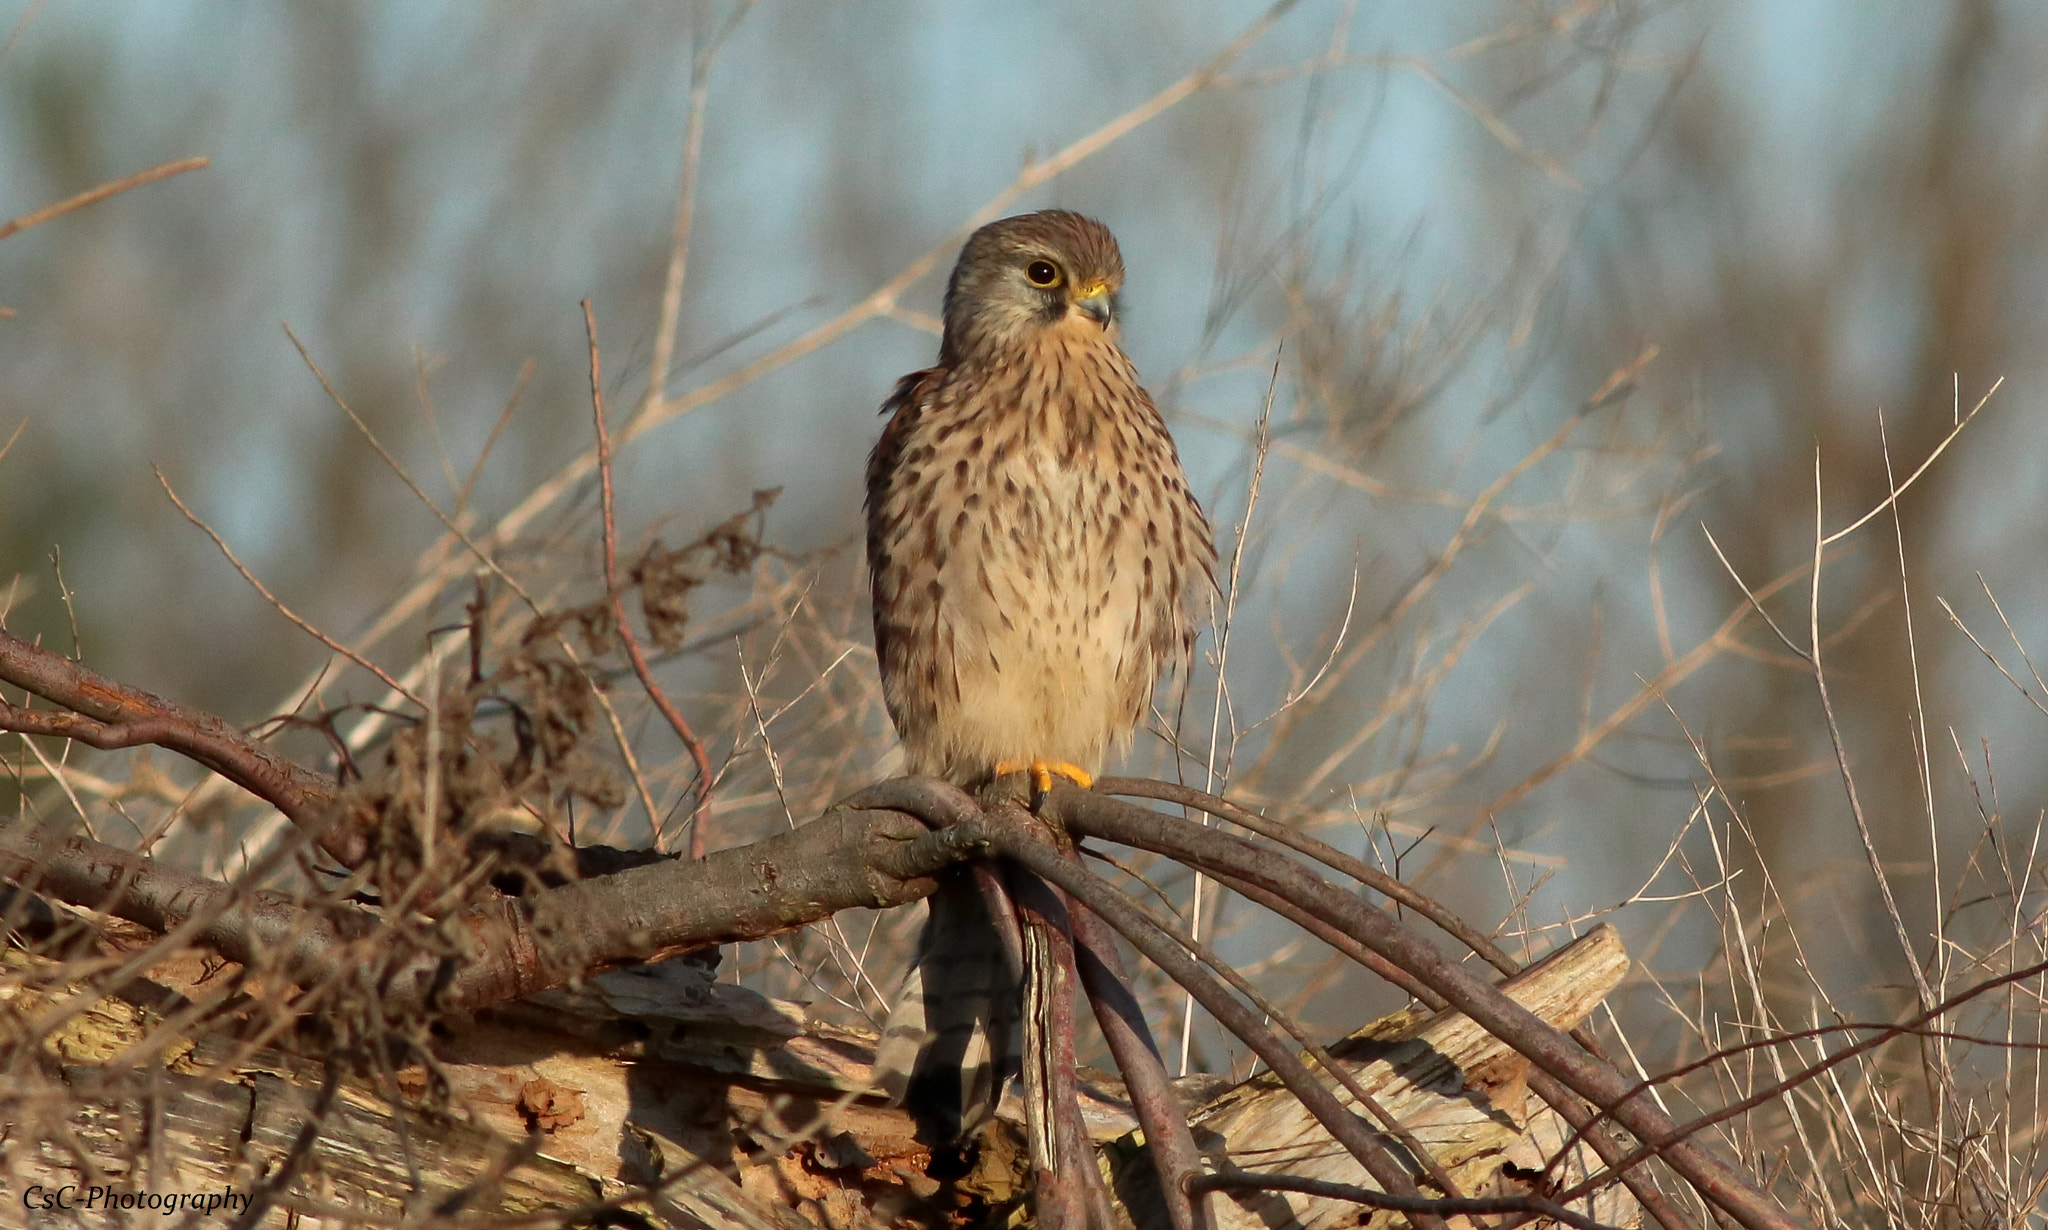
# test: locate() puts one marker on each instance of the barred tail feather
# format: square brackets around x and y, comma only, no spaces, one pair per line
[902,1039]
[952,1040]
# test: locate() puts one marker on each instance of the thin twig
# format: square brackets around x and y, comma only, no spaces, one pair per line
[1901,489]
[631,644]
[686,212]
[1222,701]
[1924,993]
[277,603]
[1884,1033]
[94,196]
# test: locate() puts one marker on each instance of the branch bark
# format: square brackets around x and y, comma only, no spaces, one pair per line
[507,948]
[108,715]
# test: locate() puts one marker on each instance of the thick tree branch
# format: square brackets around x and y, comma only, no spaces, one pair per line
[846,859]
[108,715]
[511,947]
[243,926]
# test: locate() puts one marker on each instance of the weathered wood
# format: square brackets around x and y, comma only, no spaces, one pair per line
[744,1103]
[187,1128]
[1460,1091]
[111,1098]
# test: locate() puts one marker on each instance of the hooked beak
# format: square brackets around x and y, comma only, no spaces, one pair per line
[1096,301]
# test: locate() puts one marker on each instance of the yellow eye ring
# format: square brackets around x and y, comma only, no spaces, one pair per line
[1043,274]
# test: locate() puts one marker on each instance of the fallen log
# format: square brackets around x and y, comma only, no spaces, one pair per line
[662,1094]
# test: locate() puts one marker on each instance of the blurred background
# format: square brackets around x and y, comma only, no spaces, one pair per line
[1540,288]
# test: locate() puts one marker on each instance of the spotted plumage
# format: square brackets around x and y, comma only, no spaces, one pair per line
[1031,537]
[1034,550]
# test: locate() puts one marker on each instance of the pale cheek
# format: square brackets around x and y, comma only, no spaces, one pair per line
[1078,326]
[993,331]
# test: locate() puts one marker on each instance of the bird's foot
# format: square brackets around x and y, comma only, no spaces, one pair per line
[1042,773]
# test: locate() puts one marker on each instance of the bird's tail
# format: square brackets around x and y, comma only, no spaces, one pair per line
[953,1040]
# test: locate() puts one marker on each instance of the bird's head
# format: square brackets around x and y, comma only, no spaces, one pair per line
[1021,277]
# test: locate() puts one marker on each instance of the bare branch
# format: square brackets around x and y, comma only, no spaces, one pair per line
[106,714]
[94,196]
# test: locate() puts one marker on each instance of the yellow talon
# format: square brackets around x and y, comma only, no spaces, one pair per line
[1042,772]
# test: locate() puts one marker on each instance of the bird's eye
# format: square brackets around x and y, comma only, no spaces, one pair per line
[1043,273]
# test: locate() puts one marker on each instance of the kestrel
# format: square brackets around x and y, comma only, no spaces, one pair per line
[1034,551]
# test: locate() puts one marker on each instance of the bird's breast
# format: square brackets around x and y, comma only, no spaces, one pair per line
[1028,549]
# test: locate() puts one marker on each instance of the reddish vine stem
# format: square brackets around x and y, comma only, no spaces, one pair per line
[1002,913]
[674,716]
[1175,1158]
[1172,955]
[1324,853]
[108,715]
[1550,1049]
[1391,1125]
[1186,961]
[1575,1110]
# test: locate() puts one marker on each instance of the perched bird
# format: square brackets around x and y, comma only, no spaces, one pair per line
[1034,551]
